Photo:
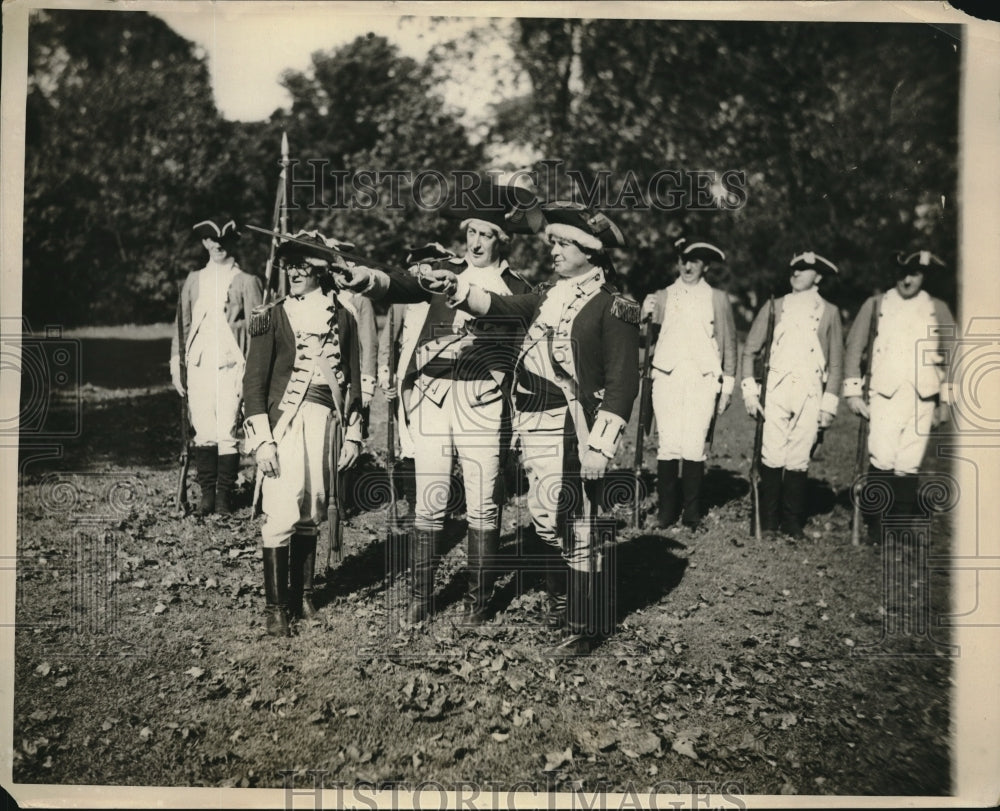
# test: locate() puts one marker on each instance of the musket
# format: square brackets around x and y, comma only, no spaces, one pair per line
[181,500]
[645,418]
[394,537]
[861,452]
[280,218]
[758,437]
[335,549]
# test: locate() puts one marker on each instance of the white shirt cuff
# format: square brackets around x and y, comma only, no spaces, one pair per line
[947,393]
[750,388]
[367,385]
[606,434]
[852,387]
[258,431]
[728,384]
[829,402]
[461,293]
[353,432]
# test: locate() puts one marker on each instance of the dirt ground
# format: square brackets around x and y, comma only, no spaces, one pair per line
[796,667]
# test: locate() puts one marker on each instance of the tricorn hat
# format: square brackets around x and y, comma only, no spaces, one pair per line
[808,260]
[507,202]
[577,223]
[314,249]
[226,236]
[431,252]
[698,249]
[919,261]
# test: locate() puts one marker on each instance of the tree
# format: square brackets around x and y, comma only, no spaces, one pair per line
[846,136]
[125,151]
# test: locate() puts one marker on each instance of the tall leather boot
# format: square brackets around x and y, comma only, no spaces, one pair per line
[874,520]
[667,471]
[425,543]
[793,503]
[904,491]
[206,460]
[769,493]
[301,566]
[692,474]
[276,590]
[483,546]
[580,635]
[556,575]
[229,466]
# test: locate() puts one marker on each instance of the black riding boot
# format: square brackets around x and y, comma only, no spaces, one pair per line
[425,543]
[206,460]
[692,474]
[769,492]
[667,472]
[877,476]
[556,574]
[793,503]
[276,590]
[904,491]
[229,466]
[483,545]
[581,635]
[301,566]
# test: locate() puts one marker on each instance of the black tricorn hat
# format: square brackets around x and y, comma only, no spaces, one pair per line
[918,261]
[577,223]
[809,260]
[431,252]
[508,202]
[226,236]
[314,249]
[698,249]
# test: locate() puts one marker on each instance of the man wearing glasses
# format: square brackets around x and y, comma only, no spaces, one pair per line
[303,372]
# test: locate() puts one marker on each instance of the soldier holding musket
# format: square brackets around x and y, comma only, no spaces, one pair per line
[577,377]
[804,375]
[213,313]
[694,374]
[909,391]
[302,383]
[454,389]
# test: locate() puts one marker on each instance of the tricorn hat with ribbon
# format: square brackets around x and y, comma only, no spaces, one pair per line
[918,261]
[587,228]
[226,235]
[810,260]
[690,249]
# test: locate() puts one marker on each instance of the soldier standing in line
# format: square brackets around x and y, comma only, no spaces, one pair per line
[303,373]
[215,307]
[577,376]
[909,393]
[694,374]
[455,388]
[805,373]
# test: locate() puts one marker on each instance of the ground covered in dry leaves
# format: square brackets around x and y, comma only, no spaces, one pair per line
[736,664]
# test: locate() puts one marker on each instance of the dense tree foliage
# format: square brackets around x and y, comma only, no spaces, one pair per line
[846,136]
[842,139]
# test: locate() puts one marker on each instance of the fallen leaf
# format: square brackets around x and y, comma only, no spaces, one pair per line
[684,746]
[145,734]
[794,642]
[62,681]
[351,712]
[159,608]
[553,760]
[43,669]
[500,737]
[195,672]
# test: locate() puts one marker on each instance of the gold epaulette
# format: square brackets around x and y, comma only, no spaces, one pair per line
[625,308]
[260,318]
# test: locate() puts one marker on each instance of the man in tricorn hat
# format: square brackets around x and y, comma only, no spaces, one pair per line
[303,372]
[909,389]
[694,374]
[577,377]
[806,369]
[454,388]
[214,310]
